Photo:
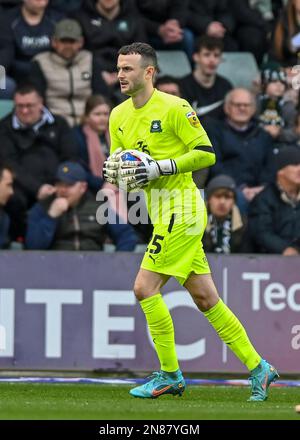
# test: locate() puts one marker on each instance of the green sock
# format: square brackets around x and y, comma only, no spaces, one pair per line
[233,334]
[162,331]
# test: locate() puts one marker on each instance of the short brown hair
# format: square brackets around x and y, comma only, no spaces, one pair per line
[146,51]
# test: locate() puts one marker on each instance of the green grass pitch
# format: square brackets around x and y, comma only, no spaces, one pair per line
[112,402]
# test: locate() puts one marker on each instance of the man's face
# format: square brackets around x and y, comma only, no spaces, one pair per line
[67,48]
[221,202]
[28,108]
[131,74]
[6,187]
[240,108]
[71,192]
[291,174]
[208,60]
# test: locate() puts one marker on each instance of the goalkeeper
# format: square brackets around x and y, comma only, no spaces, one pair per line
[167,128]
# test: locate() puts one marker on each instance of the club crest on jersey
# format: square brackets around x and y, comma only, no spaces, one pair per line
[155,126]
[193,119]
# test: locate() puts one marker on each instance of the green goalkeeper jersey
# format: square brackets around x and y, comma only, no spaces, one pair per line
[166,127]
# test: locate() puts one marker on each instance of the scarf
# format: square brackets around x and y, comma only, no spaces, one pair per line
[97,157]
[220,234]
[95,150]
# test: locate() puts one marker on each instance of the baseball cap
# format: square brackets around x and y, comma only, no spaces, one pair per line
[220,182]
[67,29]
[70,172]
[286,156]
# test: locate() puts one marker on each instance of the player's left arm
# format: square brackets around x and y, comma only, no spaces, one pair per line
[201,156]
[187,127]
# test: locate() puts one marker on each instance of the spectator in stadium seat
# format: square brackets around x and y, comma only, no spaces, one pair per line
[25,31]
[67,75]
[165,24]
[204,88]
[6,191]
[168,84]
[276,113]
[226,229]
[244,150]
[274,215]
[93,138]
[214,19]
[33,141]
[107,25]
[251,27]
[67,219]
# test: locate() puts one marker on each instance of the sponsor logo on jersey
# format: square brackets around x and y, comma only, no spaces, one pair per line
[155,126]
[193,119]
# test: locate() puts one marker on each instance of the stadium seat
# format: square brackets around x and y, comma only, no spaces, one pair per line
[6,106]
[173,62]
[240,68]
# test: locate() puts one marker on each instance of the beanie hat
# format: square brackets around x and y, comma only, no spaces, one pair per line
[220,182]
[273,74]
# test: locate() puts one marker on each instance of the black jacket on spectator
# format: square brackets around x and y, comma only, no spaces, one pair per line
[22,41]
[6,46]
[77,229]
[66,5]
[247,16]
[156,12]
[207,102]
[35,155]
[251,28]
[104,37]
[202,13]
[245,156]
[274,224]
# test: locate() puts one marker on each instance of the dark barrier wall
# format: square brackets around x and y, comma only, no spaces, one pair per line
[63,310]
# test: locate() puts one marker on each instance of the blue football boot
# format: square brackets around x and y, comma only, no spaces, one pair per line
[160,383]
[261,378]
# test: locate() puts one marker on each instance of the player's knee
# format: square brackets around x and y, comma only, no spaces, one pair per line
[205,301]
[140,290]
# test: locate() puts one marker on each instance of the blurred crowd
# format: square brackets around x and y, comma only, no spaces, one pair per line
[61,83]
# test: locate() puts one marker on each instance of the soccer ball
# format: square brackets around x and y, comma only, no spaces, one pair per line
[130,159]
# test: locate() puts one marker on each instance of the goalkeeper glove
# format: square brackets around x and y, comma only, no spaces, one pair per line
[111,167]
[136,174]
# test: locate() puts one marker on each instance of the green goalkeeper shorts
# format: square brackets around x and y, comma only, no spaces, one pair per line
[175,249]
